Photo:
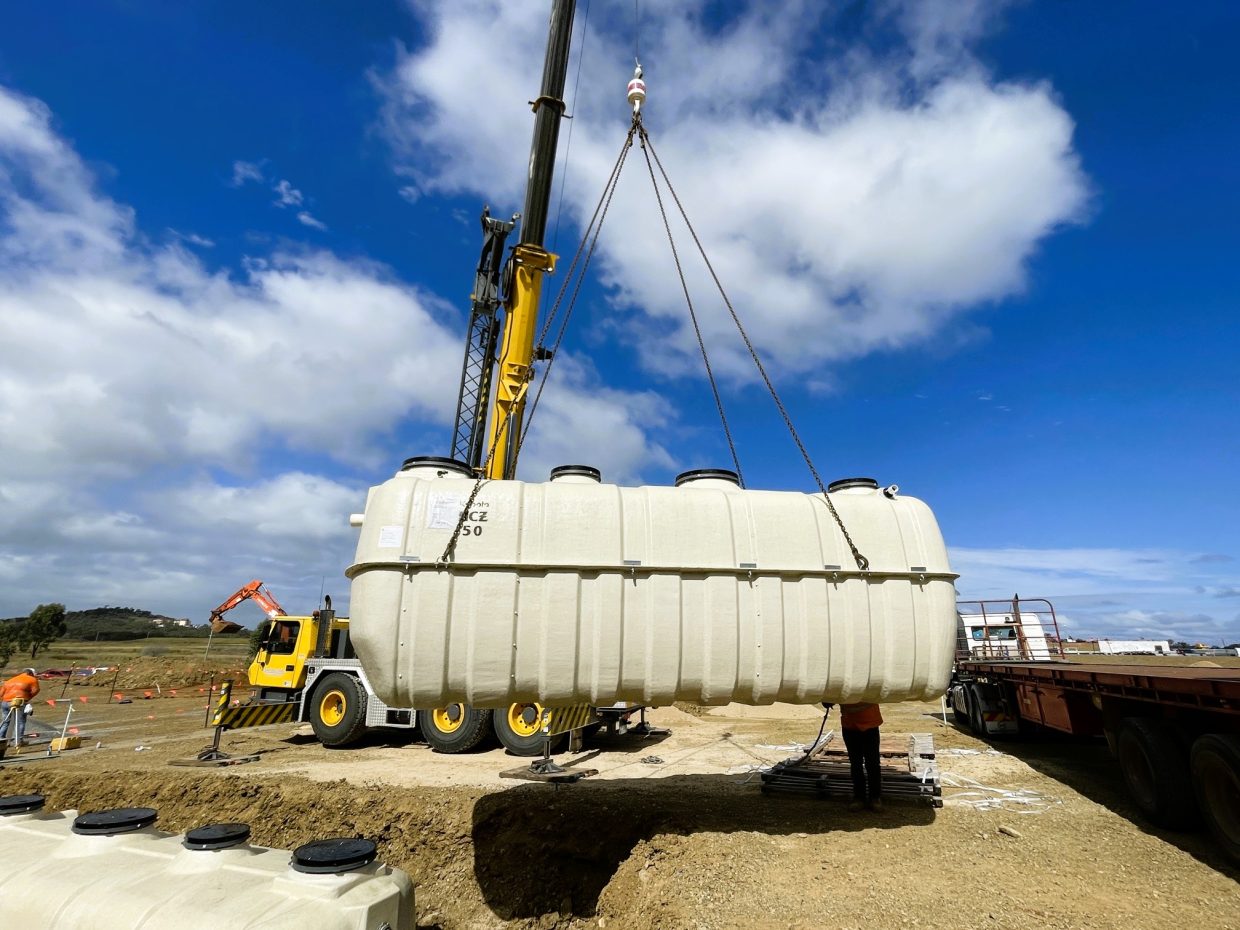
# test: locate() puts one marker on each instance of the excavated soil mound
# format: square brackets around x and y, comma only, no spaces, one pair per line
[166,673]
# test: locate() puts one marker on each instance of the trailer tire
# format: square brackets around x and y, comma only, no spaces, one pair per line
[519,729]
[337,709]
[455,727]
[960,716]
[1215,763]
[1155,768]
[976,722]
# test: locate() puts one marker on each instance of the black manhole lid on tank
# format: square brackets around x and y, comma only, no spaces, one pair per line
[119,820]
[437,461]
[585,471]
[844,483]
[21,803]
[216,836]
[335,855]
[699,474]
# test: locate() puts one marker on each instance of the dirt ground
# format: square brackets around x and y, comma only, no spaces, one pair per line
[686,841]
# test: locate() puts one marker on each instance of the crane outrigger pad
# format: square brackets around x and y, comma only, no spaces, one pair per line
[908,766]
[212,757]
[539,770]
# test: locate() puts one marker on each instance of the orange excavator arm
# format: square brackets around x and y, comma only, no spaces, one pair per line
[255,590]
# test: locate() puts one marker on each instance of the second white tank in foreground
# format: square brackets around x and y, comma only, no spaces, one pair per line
[573,590]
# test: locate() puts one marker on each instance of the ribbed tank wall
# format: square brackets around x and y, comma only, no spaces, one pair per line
[565,592]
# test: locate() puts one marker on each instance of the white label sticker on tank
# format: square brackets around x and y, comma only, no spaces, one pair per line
[443,511]
[391,536]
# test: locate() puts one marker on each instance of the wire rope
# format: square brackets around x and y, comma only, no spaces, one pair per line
[697,329]
[862,562]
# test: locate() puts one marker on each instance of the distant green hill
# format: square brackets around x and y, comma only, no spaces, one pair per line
[120,623]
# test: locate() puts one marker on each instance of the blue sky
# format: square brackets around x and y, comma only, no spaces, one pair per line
[986,248]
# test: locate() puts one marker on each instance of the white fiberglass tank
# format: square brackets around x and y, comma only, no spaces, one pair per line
[112,870]
[578,591]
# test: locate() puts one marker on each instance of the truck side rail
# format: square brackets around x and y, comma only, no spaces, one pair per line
[1216,689]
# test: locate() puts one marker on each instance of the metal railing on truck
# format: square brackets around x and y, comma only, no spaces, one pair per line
[1017,629]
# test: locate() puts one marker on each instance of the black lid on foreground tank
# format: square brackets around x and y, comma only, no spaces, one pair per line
[118,820]
[700,474]
[437,461]
[843,484]
[21,803]
[343,854]
[584,471]
[216,836]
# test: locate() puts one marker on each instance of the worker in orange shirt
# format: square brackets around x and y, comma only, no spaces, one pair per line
[15,695]
[860,723]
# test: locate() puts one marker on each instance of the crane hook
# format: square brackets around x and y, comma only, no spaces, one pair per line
[637,89]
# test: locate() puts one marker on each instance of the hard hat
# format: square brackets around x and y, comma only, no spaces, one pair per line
[30,671]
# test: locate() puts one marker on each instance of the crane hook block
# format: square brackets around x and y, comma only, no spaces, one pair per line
[637,90]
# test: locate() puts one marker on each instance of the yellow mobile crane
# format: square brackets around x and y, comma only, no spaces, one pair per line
[498,370]
[307,664]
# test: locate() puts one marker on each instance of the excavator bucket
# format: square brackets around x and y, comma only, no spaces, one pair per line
[224,626]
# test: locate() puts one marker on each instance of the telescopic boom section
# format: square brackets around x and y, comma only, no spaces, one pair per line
[530,260]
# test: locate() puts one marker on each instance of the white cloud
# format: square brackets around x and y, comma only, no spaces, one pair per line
[287,195]
[306,219]
[195,239]
[1116,593]
[576,420]
[847,212]
[244,171]
[294,507]
[162,424]
[940,31]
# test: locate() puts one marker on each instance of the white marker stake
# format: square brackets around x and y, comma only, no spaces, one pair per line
[63,731]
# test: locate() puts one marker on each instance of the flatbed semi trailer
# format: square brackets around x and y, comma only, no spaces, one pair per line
[1174,729]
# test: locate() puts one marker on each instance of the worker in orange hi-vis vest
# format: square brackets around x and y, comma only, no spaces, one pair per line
[15,695]
[860,723]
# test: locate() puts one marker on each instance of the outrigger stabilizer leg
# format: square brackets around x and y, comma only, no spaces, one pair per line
[213,755]
[644,728]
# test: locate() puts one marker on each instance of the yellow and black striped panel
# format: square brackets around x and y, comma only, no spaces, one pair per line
[563,719]
[255,715]
[222,702]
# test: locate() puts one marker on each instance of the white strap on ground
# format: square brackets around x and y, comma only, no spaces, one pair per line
[981,797]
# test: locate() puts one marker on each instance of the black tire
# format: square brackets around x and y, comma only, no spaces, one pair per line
[1215,764]
[454,727]
[337,709]
[519,730]
[1155,768]
[976,723]
[960,716]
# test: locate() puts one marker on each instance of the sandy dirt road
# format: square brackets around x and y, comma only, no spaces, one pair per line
[688,841]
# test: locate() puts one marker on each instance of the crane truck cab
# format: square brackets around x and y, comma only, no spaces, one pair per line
[309,661]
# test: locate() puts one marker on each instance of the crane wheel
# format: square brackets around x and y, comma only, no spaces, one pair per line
[1215,763]
[337,709]
[519,729]
[454,727]
[1155,768]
